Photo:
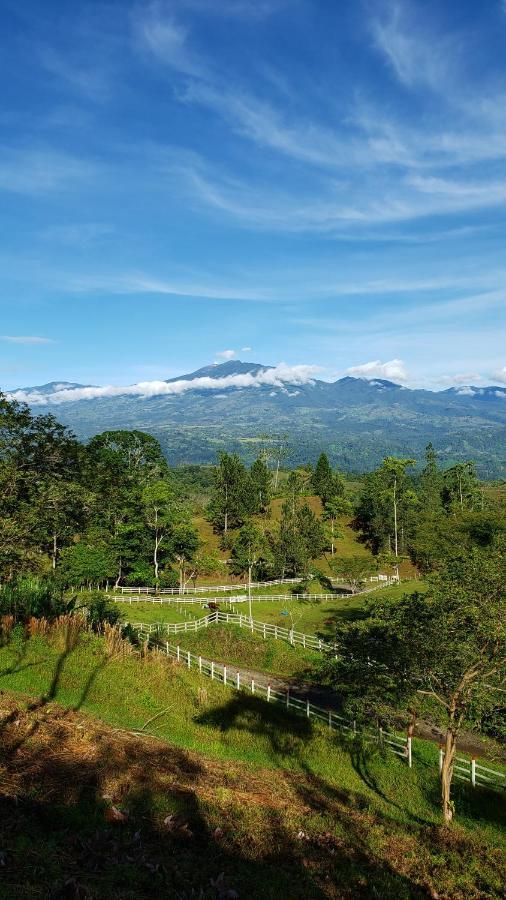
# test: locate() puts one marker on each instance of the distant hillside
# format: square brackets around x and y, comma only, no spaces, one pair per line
[356,421]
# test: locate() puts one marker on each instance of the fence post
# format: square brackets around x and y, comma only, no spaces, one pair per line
[473,771]
[330,719]
[307,708]
[200,665]
[212,670]
[304,641]
[238,680]
[189,660]
[252,686]
[409,751]
[268,692]
[441,758]
[288,698]
[264,631]
[224,674]
[291,636]
[177,653]
[276,632]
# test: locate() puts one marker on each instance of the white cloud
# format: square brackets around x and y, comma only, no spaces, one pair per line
[277,376]
[500,375]
[394,370]
[225,354]
[246,349]
[25,339]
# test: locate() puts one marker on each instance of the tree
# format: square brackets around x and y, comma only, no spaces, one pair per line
[231,498]
[159,512]
[260,480]
[248,549]
[184,544]
[461,487]
[90,562]
[448,645]
[323,478]
[275,447]
[353,569]
[300,539]
[385,510]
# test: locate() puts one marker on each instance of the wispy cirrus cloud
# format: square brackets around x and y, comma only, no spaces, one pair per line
[158,33]
[38,171]
[79,75]
[25,339]
[416,55]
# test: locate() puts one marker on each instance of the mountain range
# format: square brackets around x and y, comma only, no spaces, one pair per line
[356,421]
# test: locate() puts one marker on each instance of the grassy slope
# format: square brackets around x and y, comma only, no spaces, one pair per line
[234,645]
[370,827]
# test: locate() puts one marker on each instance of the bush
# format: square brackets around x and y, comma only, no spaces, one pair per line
[31,597]
[101,610]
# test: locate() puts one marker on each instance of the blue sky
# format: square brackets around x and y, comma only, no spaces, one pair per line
[321,182]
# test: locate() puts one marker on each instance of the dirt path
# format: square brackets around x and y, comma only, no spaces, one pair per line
[326,698]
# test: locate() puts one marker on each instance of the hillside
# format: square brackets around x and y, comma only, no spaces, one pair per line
[127,777]
[356,421]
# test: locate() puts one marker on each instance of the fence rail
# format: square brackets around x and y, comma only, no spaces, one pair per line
[233,678]
[225,588]
[266,629]
[469,771]
[474,773]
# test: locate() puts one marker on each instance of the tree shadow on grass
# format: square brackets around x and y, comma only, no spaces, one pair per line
[110,815]
[350,862]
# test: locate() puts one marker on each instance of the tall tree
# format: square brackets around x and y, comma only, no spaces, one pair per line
[159,513]
[260,480]
[448,645]
[231,499]
[323,478]
[461,487]
[249,549]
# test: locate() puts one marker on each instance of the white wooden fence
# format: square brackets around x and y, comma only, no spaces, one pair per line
[474,773]
[225,588]
[201,601]
[466,770]
[265,629]
[401,746]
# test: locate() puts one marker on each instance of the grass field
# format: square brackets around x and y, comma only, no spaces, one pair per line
[276,804]
[311,617]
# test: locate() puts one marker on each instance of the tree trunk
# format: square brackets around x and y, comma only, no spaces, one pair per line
[447,774]
[396,545]
[155,556]
[118,579]
[277,475]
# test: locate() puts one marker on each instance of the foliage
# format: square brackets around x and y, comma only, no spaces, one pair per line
[448,644]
